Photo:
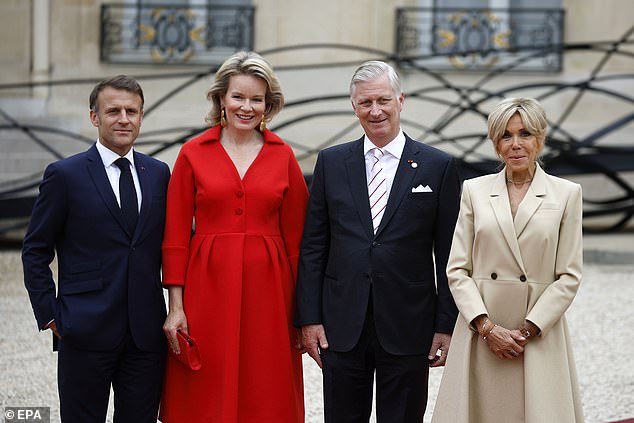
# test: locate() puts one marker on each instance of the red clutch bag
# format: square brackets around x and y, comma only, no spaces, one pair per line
[189,356]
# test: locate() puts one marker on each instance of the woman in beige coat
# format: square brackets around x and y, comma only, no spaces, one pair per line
[514,268]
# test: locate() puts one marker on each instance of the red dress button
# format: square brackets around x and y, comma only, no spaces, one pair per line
[238,211]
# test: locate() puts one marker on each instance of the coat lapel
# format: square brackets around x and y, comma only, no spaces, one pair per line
[100,179]
[355,167]
[499,199]
[531,202]
[146,190]
[402,181]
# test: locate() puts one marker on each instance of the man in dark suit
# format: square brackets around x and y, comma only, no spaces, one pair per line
[102,212]
[372,292]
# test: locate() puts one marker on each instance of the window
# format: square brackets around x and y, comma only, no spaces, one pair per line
[175,32]
[482,34]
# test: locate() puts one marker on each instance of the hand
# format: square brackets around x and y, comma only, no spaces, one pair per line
[53,328]
[175,320]
[528,330]
[505,343]
[519,337]
[298,341]
[314,339]
[440,342]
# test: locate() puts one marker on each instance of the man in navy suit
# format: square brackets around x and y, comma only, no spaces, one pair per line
[102,213]
[372,293]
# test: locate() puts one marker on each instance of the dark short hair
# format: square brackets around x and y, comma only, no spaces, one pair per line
[119,82]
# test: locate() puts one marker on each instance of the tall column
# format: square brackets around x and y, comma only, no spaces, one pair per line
[40,53]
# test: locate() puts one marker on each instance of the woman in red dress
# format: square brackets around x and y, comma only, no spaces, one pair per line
[231,283]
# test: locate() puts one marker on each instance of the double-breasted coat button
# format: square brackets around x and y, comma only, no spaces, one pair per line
[523,278]
[494,275]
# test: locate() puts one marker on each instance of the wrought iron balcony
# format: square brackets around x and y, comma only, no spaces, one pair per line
[481,39]
[202,35]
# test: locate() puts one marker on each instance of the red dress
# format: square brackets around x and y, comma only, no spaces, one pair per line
[238,271]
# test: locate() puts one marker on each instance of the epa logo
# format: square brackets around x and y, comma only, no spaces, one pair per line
[27,414]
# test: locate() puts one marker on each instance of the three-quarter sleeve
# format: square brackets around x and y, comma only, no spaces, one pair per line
[178,220]
[555,300]
[293,212]
[460,265]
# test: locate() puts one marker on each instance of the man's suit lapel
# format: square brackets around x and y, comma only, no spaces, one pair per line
[355,167]
[499,199]
[100,179]
[402,181]
[146,190]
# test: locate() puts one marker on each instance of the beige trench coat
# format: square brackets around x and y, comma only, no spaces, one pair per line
[514,269]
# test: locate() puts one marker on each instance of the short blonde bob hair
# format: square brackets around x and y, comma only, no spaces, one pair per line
[531,112]
[245,63]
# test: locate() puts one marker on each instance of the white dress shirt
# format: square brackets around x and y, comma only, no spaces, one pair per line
[108,158]
[390,160]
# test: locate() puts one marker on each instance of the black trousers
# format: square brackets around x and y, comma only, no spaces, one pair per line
[84,379]
[348,378]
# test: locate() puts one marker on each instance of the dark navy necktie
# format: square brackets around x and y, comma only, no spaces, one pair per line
[127,194]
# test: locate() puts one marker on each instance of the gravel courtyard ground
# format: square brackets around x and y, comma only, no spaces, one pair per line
[601,320]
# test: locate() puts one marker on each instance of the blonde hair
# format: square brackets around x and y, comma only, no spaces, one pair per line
[245,63]
[531,112]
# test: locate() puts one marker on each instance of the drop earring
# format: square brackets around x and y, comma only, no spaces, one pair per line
[263,125]
[223,120]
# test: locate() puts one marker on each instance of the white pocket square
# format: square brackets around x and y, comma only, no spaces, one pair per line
[422,188]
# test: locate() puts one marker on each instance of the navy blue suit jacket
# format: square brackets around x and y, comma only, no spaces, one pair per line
[341,257]
[108,279]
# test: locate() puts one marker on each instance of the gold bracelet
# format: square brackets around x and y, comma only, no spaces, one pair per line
[486,320]
[489,333]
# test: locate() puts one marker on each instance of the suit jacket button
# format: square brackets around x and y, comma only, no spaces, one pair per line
[375,244]
[523,278]
[494,275]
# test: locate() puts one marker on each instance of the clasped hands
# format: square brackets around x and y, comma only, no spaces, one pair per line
[505,343]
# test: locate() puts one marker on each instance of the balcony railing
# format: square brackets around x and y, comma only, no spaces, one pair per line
[481,39]
[202,35]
